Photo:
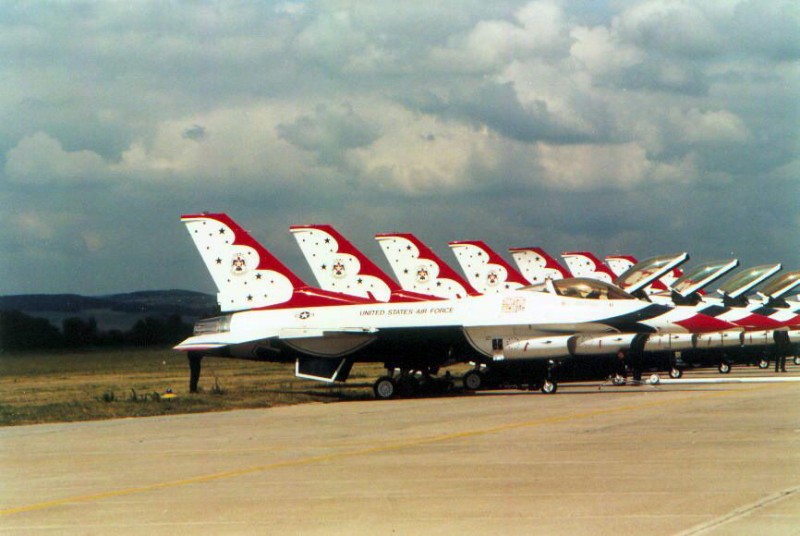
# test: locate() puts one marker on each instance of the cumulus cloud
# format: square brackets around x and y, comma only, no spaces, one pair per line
[329,132]
[382,111]
[600,167]
[668,27]
[41,159]
[537,28]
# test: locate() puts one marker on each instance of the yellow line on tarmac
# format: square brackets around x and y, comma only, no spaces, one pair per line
[359,452]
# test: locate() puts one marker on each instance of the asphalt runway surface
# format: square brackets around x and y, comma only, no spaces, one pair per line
[666,459]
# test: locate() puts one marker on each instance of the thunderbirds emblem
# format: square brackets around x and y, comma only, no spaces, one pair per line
[492,278]
[422,274]
[338,270]
[238,264]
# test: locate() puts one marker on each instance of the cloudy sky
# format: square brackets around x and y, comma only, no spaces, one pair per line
[619,126]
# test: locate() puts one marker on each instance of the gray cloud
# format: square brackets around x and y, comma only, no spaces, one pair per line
[329,132]
[634,127]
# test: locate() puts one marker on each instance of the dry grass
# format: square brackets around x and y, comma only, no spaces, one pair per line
[58,387]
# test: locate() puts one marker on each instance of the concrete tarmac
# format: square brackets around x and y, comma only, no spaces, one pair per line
[666,459]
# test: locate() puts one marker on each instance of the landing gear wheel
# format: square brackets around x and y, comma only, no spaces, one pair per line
[675,373]
[763,363]
[724,368]
[473,380]
[654,379]
[385,388]
[797,360]
[549,387]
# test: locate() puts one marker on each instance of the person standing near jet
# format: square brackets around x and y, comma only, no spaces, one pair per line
[782,348]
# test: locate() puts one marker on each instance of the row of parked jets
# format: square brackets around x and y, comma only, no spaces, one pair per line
[530,326]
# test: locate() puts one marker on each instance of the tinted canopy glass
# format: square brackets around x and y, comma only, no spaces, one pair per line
[746,279]
[579,287]
[642,273]
[781,284]
[700,274]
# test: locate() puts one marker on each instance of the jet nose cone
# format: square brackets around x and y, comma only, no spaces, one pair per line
[700,323]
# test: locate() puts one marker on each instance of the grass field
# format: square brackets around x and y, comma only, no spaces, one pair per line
[103,384]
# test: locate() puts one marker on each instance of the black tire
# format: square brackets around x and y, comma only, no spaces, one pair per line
[385,388]
[675,373]
[763,363]
[549,387]
[408,386]
[724,368]
[473,380]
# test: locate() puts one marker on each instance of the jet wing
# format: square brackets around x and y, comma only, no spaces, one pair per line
[210,341]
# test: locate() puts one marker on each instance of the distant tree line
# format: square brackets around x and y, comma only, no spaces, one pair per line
[19,331]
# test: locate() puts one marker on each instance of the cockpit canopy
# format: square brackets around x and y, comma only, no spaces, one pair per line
[747,279]
[591,289]
[781,285]
[645,272]
[695,279]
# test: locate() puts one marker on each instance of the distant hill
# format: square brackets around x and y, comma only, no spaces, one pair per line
[114,311]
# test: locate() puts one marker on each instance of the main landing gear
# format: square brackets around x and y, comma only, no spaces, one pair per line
[410,383]
[497,377]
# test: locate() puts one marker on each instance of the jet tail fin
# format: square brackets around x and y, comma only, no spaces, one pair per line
[245,273]
[248,276]
[585,264]
[619,264]
[485,269]
[419,269]
[537,265]
[341,267]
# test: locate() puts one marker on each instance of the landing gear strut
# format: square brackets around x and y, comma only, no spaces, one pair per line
[195,363]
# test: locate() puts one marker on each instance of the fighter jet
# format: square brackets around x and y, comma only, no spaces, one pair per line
[270,314]
[752,343]
[673,331]
[324,247]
